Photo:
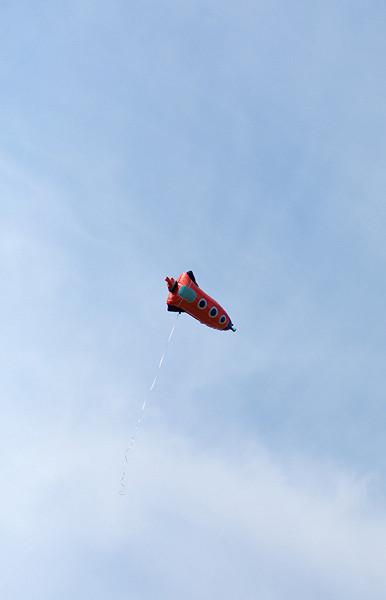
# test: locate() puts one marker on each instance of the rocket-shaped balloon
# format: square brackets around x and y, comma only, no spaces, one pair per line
[186,296]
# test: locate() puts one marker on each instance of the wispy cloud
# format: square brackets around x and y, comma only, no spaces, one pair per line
[303,526]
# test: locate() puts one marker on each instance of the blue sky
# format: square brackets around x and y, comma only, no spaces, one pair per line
[244,141]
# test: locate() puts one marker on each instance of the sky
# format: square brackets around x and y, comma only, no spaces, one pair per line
[244,141]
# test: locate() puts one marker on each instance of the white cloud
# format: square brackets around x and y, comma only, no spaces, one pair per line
[299,523]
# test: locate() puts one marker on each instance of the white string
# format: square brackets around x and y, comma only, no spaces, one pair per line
[153,384]
[172,331]
[132,440]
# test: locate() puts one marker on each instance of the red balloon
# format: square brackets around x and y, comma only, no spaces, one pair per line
[186,296]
